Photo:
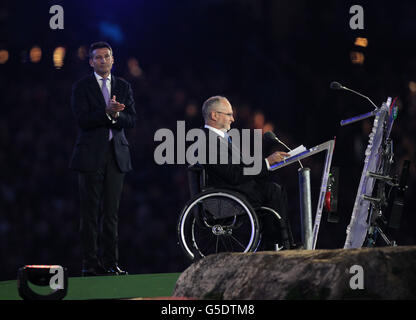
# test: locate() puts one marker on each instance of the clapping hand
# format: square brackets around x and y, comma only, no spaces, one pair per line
[114,107]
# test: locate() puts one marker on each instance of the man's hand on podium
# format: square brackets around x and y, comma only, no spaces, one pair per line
[277,156]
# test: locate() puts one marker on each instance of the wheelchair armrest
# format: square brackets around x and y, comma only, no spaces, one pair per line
[198,169]
[196,178]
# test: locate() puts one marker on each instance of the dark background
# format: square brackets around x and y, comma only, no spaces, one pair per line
[273,59]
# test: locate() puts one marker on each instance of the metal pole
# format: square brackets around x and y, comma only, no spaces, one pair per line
[305,207]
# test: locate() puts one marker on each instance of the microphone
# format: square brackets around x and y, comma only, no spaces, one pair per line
[271,136]
[337,86]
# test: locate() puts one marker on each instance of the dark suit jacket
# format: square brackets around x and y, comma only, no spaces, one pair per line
[231,176]
[88,106]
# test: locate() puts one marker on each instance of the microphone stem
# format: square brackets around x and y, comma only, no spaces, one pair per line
[281,142]
[345,88]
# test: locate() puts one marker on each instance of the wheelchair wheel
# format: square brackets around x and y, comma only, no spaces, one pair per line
[270,236]
[217,221]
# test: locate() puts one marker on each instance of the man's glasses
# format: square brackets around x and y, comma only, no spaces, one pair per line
[227,114]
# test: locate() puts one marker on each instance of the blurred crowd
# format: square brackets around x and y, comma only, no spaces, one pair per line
[39,206]
[39,200]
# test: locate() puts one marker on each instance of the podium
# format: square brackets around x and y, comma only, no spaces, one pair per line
[370,199]
[377,162]
[310,238]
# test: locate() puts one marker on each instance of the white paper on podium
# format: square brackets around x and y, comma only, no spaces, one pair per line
[297,150]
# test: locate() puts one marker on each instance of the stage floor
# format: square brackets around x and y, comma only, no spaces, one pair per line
[105,287]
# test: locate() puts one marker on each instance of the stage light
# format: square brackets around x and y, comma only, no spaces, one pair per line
[112,31]
[191,110]
[53,276]
[58,57]
[361,42]
[258,120]
[268,127]
[4,56]
[412,86]
[134,67]
[35,54]
[82,52]
[357,57]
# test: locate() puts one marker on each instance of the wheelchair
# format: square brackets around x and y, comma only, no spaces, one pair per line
[218,220]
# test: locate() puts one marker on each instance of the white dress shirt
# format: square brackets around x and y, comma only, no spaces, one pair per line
[108,84]
[217,131]
[225,135]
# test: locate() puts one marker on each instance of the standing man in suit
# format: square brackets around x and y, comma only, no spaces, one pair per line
[103,107]
[218,117]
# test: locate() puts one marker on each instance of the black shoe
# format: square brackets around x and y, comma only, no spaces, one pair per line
[116,271]
[93,271]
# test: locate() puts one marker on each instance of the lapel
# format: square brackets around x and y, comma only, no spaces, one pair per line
[96,90]
[224,140]
[114,87]
[232,148]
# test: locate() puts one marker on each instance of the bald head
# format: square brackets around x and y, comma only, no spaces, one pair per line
[212,104]
[218,113]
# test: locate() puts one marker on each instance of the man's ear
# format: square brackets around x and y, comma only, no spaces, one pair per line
[91,65]
[213,115]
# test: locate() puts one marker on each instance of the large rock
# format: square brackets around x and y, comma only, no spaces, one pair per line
[367,273]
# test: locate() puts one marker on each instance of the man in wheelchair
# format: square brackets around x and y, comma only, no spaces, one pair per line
[232,211]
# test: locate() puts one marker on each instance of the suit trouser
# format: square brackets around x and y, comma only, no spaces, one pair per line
[272,195]
[100,193]
[275,197]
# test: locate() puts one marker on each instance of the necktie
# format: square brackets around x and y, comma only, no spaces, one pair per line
[106,96]
[235,148]
[228,137]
